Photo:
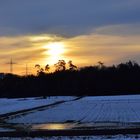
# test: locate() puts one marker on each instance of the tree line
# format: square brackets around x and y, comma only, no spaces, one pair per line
[96,80]
[59,66]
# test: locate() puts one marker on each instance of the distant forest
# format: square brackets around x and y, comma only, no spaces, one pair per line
[94,80]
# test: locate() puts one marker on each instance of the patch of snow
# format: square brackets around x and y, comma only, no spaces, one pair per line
[88,110]
[12,105]
[5,129]
[116,97]
[114,137]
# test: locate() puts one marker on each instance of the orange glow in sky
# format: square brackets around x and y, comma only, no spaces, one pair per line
[83,50]
[54,51]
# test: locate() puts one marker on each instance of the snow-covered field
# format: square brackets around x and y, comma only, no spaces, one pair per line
[5,129]
[123,109]
[116,137]
[13,105]
[86,113]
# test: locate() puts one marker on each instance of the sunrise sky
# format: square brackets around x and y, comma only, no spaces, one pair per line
[84,31]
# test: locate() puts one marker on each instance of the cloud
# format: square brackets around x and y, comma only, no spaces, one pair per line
[110,44]
[119,29]
[64,17]
[92,30]
[24,49]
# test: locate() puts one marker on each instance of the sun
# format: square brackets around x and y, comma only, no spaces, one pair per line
[55,48]
[54,51]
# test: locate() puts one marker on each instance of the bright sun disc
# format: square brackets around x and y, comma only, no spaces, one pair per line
[54,52]
[55,48]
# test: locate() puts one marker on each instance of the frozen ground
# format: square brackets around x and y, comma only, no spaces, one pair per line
[104,109]
[104,113]
[13,105]
[116,137]
[5,129]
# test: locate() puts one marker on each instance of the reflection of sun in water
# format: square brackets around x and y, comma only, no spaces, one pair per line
[55,126]
[55,51]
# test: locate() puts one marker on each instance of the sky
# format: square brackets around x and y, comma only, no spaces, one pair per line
[84,31]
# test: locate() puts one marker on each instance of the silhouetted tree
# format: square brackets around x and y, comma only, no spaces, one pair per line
[72,66]
[47,68]
[60,65]
[40,70]
[37,66]
[118,79]
[100,64]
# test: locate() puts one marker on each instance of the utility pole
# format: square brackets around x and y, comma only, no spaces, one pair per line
[11,63]
[26,69]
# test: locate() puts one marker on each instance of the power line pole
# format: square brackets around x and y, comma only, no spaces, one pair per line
[11,63]
[26,69]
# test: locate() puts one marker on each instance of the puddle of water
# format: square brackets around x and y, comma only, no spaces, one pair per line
[54,126]
[69,126]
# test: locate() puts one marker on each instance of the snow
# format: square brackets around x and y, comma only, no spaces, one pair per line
[115,137]
[13,105]
[115,97]
[5,129]
[123,109]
